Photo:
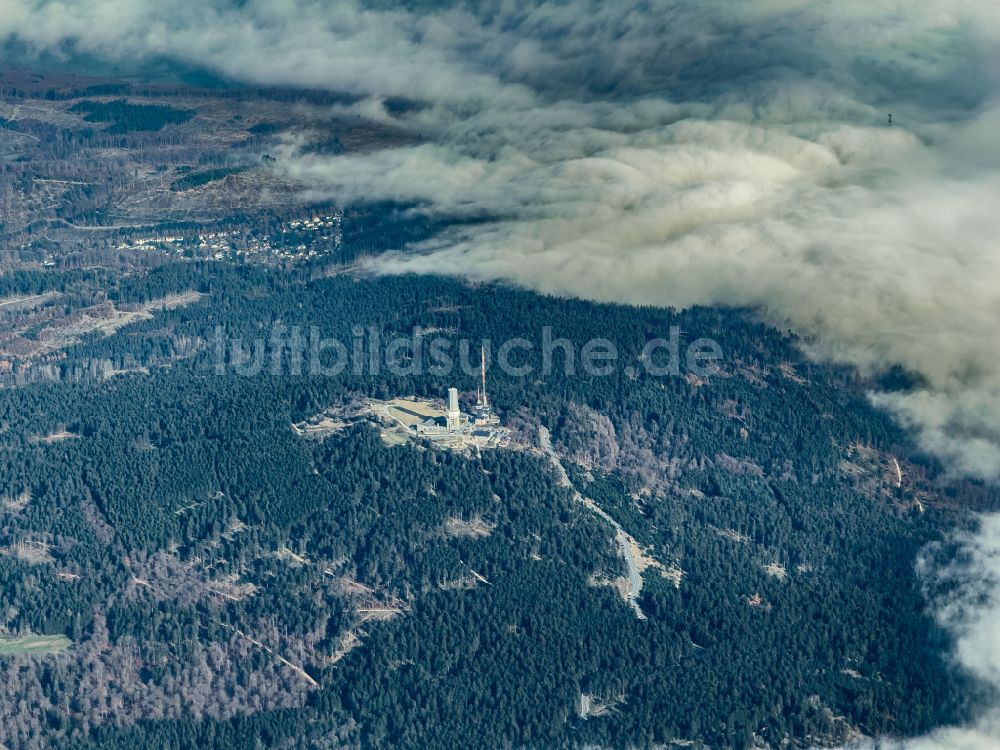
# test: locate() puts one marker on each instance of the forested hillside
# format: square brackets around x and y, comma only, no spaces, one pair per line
[225,581]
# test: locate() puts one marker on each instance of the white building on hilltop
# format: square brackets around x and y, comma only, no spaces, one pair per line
[453,418]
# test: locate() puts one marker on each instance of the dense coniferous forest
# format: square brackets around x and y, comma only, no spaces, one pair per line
[196,179]
[227,582]
[126,117]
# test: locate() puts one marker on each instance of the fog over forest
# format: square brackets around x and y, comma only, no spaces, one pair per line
[676,153]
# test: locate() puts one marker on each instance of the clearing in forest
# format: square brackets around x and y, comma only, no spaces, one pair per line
[34,645]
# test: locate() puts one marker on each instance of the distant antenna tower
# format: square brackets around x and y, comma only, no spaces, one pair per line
[484,414]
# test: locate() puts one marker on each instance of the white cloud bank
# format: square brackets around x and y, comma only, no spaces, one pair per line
[677,152]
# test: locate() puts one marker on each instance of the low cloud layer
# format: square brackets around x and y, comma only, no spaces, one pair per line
[873,243]
[674,152]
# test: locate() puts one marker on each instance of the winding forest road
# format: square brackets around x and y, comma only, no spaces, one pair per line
[622,537]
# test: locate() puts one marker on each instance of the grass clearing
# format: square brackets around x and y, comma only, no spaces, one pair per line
[34,645]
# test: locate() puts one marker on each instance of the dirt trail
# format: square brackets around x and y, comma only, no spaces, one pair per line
[626,544]
[295,668]
[30,300]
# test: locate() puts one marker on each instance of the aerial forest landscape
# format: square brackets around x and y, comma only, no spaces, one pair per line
[500,374]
